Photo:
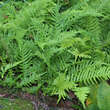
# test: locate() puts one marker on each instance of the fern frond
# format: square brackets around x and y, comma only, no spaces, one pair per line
[33,89]
[29,80]
[61,85]
[82,93]
[5,68]
[90,73]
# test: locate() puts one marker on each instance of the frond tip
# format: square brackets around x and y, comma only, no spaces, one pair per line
[61,86]
[82,93]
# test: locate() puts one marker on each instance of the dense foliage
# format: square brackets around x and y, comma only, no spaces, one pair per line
[54,45]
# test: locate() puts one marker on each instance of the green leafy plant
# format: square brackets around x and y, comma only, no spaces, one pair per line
[101,98]
[55,46]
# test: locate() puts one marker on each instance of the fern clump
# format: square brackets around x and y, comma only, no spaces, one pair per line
[55,46]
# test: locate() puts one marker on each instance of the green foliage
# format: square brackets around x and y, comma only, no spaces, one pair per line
[55,46]
[81,93]
[60,85]
[90,72]
[102,97]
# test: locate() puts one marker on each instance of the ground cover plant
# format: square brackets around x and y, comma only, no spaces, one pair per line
[55,46]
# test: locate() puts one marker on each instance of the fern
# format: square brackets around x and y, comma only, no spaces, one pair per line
[62,85]
[7,67]
[90,73]
[55,46]
[82,94]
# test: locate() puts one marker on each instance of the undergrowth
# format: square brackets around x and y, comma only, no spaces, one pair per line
[54,46]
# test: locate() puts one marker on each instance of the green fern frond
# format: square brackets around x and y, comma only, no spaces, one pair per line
[82,93]
[61,86]
[33,89]
[5,68]
[90,73]
[29,80]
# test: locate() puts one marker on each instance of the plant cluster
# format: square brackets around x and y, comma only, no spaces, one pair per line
[55,46]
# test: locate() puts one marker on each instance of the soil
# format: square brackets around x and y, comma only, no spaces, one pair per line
[25,101]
